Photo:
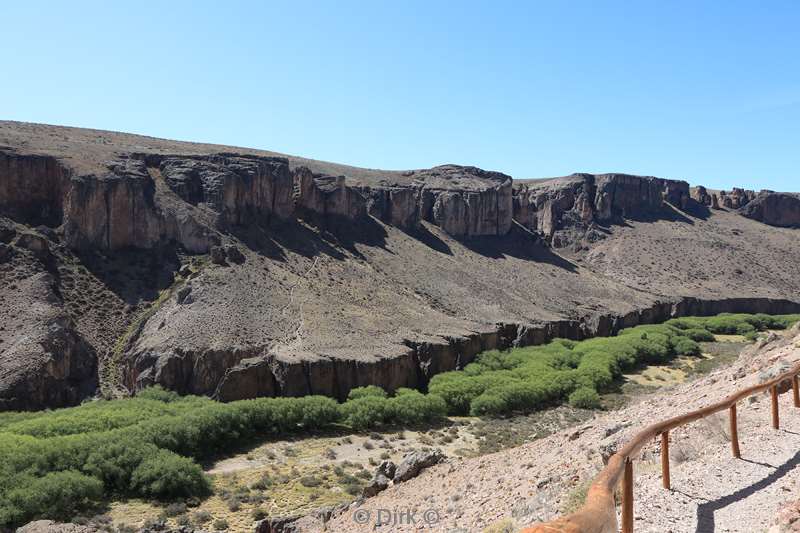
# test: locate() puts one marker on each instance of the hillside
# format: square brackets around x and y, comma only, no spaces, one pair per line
[235,273]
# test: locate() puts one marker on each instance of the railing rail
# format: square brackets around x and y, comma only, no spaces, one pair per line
[599,515]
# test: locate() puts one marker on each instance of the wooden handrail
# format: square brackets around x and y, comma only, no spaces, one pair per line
[598,514]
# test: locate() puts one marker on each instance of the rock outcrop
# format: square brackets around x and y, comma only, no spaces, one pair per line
[701,195]
[736,198]
[466,201]
[395,205]
[416,462]
[565,211]
[45,362]
[114,210]
[327,197]
[240,189]
[774,208]
[32,188]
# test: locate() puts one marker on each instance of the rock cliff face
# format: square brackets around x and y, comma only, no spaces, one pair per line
[327,196]
[241,189]
[237,374]
[398,206]
[32,188]
[98,262]
[44,361]
[113,211]
[466,201]
[775,209]
[568,210]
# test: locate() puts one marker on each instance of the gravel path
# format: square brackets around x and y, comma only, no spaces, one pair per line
[715,492]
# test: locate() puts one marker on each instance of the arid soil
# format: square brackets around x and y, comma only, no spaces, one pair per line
[538,481]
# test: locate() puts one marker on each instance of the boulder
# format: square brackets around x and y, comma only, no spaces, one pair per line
[280,524]
[700,195]
[775,209]
[218,255]
[386,468]
[6,252]
[416,462]
[184,295]
[380,481]
[35,243]
[234,254]
[377,484]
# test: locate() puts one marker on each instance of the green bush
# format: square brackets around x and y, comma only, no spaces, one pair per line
[411,407]
[686,346]
[699,334]
[366,412]
[585,398]
[158,393]
[56,495]
[168,476]
[369,390]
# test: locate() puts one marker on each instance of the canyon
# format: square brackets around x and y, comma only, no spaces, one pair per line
[128,261]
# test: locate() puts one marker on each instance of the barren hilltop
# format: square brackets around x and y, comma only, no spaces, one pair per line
[127,261]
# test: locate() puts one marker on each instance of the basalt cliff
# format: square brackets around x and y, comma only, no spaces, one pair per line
[127,261]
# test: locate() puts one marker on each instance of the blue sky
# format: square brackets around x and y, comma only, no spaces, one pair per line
[703,91]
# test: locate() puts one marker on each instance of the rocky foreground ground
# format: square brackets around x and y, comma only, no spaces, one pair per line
[535,482]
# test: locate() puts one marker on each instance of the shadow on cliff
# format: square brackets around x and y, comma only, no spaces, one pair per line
[520,244]
[133,275]
[698,210]
[668,213]
[429,239]
[329,236]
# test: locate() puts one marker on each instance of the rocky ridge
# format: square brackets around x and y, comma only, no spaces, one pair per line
[239,273]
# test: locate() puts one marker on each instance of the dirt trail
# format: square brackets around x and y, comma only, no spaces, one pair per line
[543,479]
[712,491]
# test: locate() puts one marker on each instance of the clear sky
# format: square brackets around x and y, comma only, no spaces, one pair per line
[703,91]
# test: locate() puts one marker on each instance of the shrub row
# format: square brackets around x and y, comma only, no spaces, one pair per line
[539,376]
[55,463]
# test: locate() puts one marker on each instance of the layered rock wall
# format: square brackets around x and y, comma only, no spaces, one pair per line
[32,188]
[113,211]
[247,373]
[327,196]
[576,203]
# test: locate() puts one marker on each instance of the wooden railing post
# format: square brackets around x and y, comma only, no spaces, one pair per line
[734,433]
[775,420]
[627,498]
[665,459]
[795,391]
